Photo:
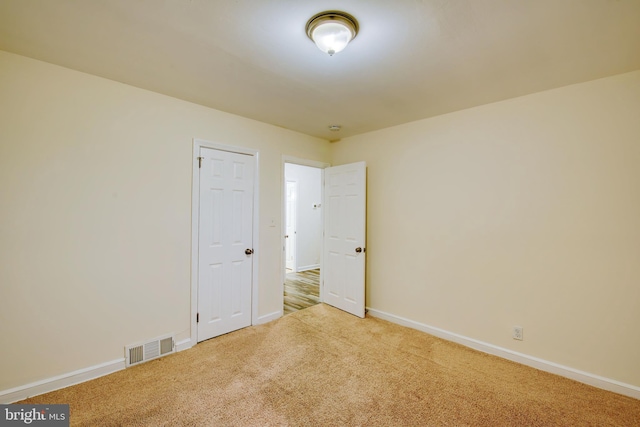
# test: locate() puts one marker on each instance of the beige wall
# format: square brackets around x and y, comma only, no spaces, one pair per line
[95,205]
[524,212]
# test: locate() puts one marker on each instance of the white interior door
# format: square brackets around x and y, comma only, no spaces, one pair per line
[344,237]
[290,227]
[225,245]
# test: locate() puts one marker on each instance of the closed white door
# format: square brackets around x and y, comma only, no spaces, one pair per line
[290,228]
[344,237]
[225,244]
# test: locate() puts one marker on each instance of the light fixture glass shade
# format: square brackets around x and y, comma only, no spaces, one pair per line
[331,31]
[331,37]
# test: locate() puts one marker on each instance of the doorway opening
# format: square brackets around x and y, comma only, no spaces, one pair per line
[303,225]
[341,231]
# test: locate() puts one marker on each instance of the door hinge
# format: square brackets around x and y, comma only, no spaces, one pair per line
[197,317]
[200,162]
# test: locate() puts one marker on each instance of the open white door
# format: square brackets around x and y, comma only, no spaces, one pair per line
[290,225]
[344,237]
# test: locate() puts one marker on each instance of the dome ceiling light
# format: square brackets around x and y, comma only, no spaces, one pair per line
[332,30]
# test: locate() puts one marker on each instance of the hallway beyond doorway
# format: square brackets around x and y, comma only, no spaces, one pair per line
[301,290]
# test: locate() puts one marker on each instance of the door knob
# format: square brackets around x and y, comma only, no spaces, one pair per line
[248,251]
[358,249]
[286,236]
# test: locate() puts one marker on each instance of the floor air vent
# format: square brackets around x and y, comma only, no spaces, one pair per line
[153,349]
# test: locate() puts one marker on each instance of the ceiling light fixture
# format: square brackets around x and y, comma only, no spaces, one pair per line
[331,31]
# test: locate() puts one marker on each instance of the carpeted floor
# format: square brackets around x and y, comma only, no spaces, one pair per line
[323,367]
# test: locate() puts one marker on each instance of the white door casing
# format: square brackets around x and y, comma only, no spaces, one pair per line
[225,242]
[344,237]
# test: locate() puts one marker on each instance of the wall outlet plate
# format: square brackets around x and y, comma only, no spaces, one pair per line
[518,333]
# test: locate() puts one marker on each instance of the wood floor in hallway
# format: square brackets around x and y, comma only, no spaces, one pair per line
[301,290]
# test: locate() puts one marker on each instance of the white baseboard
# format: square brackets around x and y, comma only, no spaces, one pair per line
[71,378]
[543,365]
[185,344]
[61,381]
[268,317]
[308,267]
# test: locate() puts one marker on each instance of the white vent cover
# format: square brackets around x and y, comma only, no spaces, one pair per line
[153,349]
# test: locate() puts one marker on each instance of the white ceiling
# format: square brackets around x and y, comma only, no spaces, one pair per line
[412,59]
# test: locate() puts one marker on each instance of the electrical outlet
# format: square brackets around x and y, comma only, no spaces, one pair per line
[518,333]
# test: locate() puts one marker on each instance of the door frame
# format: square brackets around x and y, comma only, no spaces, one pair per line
[195,227]
[283,204]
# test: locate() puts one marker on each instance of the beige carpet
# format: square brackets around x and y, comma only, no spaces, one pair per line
[322,367]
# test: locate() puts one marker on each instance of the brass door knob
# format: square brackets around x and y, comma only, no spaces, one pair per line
[358,249]
[248,251]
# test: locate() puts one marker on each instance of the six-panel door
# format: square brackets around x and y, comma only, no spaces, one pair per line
[225,240]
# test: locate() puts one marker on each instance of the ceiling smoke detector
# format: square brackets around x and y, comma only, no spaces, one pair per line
[332,30]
